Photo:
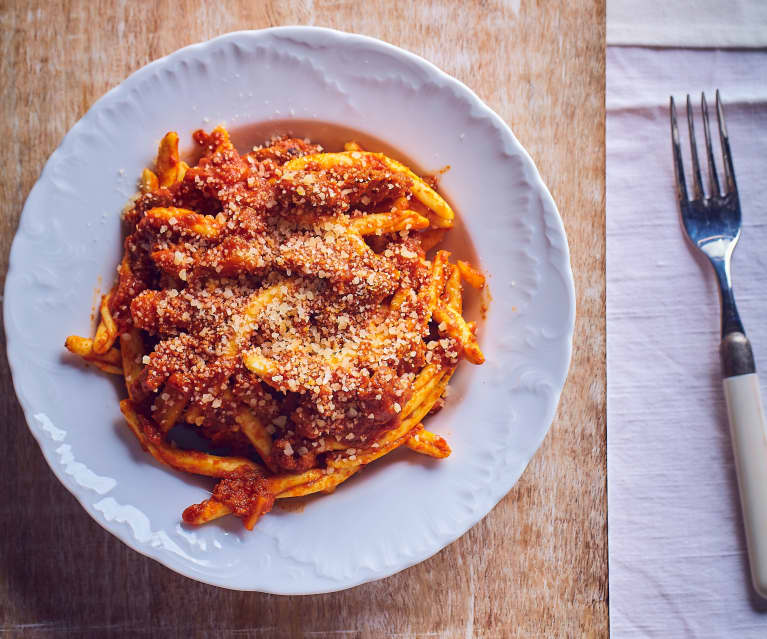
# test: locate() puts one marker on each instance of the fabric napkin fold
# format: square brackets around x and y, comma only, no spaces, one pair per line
[678,564]
[687,23]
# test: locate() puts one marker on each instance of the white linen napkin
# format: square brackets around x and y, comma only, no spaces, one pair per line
[678,565]
[687,23]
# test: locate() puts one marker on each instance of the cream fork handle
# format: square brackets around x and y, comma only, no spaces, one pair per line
[748,429]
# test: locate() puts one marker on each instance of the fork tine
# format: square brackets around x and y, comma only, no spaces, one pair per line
[681,186]
[709,152]
[697,182]
[729,170]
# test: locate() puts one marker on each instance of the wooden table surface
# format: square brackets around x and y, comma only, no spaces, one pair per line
[537,564]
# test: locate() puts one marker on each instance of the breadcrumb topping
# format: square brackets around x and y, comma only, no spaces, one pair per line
[256,288]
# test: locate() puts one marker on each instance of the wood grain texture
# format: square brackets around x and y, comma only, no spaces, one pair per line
[537,565]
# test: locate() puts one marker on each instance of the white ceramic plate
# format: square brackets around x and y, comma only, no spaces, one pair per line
[399,511]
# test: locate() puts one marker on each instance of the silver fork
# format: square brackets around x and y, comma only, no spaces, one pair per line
[712,223]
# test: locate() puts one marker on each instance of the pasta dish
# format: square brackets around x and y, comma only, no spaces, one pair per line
[280,304]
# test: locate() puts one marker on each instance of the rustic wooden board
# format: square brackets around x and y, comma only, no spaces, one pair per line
[537,565]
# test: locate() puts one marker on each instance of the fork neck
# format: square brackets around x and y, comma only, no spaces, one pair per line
[730,318]
[737,355]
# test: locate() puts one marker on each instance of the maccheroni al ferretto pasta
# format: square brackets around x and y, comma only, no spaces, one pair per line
[280,303]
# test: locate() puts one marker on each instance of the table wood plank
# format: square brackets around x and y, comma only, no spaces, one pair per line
[537,565]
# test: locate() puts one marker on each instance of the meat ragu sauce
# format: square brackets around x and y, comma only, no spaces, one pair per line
[268,266]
